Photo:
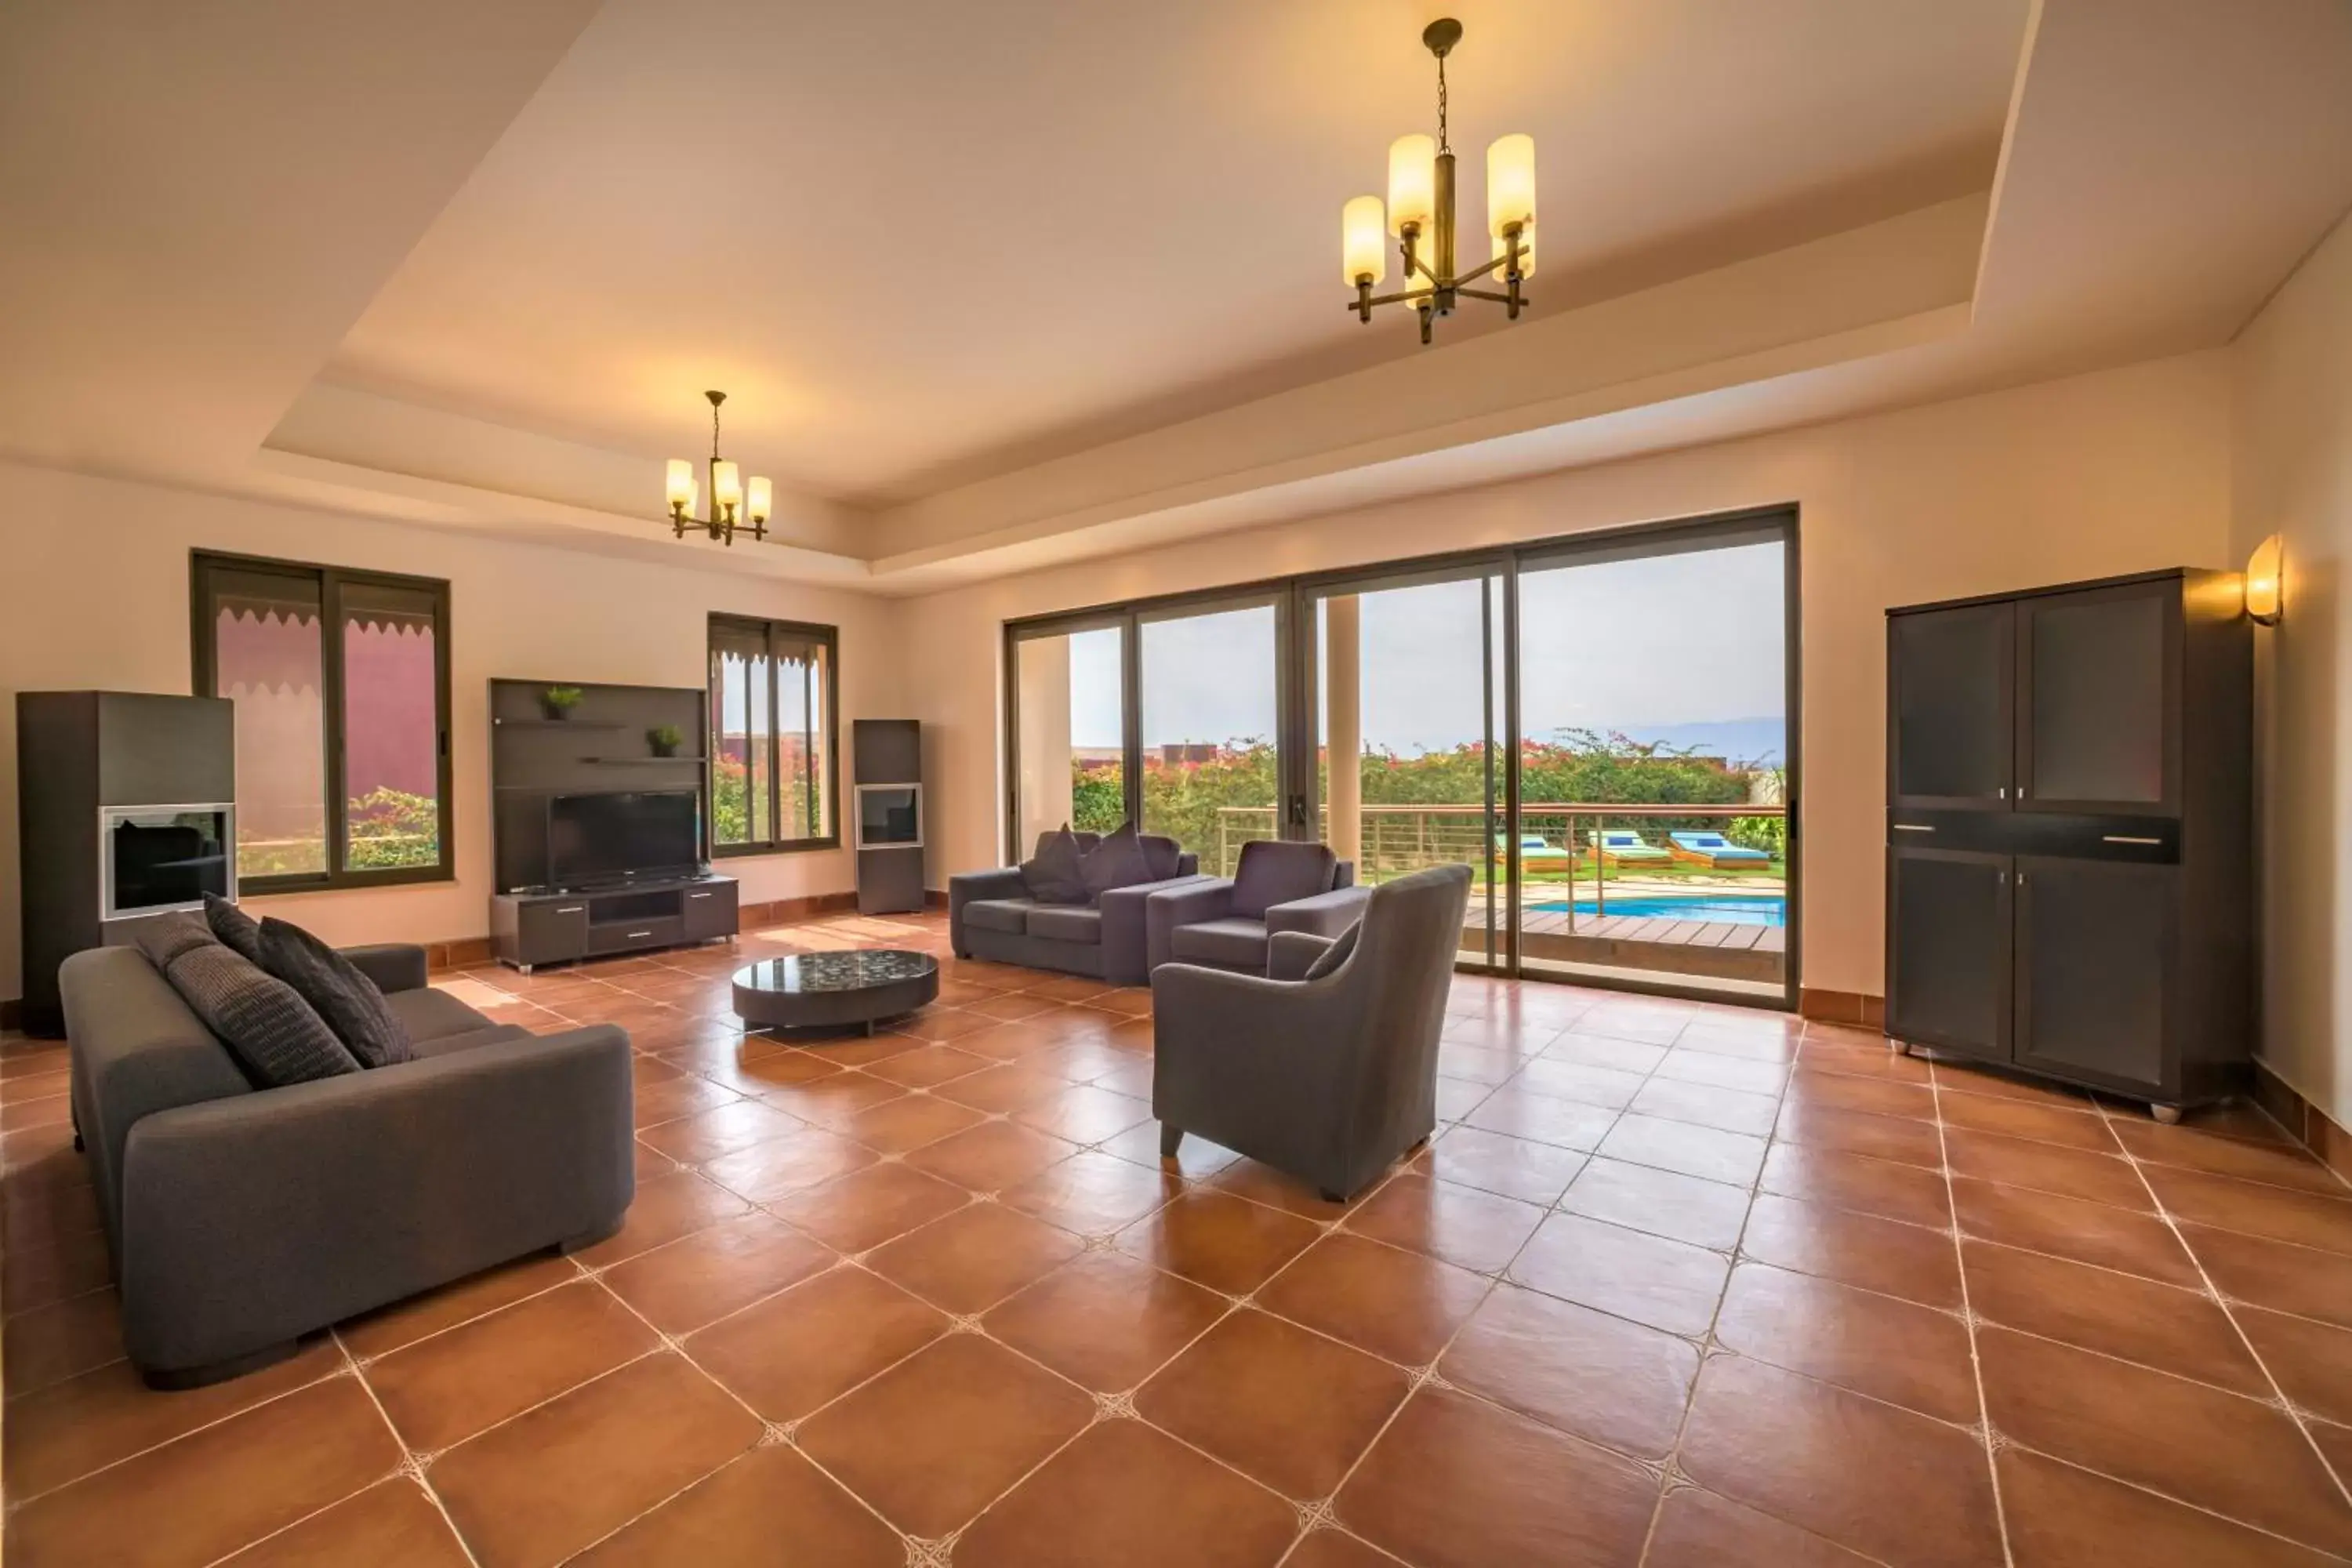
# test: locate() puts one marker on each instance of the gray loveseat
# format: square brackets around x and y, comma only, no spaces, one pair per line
[240,1218]
[991,915]
[1329,1077]
[1277,886]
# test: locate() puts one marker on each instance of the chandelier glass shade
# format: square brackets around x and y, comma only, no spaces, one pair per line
[734,508]
[1419,216]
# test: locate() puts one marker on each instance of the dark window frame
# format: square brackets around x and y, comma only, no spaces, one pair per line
[203,626]
[771,631]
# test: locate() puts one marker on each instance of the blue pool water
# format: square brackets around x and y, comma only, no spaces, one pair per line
[1723,908]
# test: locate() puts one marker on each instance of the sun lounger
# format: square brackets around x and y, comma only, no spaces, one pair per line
[1717,853]
[1623,846]
[1535,851]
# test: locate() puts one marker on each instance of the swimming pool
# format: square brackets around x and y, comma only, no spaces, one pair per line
[1721,909]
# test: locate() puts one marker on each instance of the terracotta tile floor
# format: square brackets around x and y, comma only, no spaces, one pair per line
[1673,1285]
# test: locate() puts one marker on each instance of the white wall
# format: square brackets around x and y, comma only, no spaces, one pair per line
[94,593]
[2120,471]
[2292,475]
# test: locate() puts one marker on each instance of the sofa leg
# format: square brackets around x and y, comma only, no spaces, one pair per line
[587,1239]
[1171,1137]
[1328,1197]
[178,1379]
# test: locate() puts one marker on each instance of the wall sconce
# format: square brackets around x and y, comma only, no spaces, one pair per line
[2264,570]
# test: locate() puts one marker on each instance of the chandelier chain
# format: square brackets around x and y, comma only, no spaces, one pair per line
[714,432]
[1442,144]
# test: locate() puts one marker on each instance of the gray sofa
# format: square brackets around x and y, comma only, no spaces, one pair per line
[991,916]
[1328,1079]
[240,1218]
[1277,886]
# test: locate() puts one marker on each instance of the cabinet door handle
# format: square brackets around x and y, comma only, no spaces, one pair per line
[2126,839]
[573,909]
[1913,827]
[698,895]
[635,934]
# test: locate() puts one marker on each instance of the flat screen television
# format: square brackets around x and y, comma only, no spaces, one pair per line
[622,836]
[889,816]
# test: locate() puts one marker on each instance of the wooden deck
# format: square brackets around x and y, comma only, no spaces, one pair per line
[1714,948]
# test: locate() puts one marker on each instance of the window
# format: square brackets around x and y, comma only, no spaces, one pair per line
[773,694]
[341,686]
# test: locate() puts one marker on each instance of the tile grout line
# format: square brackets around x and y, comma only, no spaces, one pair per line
[1968,1317]
[2278,1394]
[411,1464]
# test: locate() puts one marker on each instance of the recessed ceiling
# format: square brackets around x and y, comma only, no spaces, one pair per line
[920,241]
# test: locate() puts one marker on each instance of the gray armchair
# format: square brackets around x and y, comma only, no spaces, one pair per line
[240,1218]
[1277,886]
[991,916]
[1329,1077]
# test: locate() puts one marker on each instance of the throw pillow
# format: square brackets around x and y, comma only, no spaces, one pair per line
[346,998]
[262,1022]
[1164,855]
[1117,862]
[1335,955]
[1057,874]
[236,930]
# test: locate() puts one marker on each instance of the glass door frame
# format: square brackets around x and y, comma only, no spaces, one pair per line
[1298,708]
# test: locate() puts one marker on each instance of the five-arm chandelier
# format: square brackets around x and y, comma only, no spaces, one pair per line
[728,501]
[1421,216]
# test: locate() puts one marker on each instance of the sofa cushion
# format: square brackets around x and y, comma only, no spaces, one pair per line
[1333,956]
[276,1036]
[1274,871]
[1117,862]
[334,985]
[1235,944]
[1065,922]
[235,930]
[429,1015]
[1056,873]
[1010,916]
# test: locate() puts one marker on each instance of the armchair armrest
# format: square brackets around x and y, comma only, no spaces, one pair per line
[1289,955]
[393,965]
[1326,914]
[251,1219]
[1204,899]
[1126,930]
[1250,1063]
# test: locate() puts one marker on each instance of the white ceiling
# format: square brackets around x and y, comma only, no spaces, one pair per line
[996,286]
[922,240]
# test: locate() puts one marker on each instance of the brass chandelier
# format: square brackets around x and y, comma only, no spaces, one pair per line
[1419,214]
[728,500]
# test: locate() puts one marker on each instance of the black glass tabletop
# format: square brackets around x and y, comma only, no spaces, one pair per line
[812,973]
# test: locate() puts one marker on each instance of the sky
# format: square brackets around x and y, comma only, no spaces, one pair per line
[1685,647]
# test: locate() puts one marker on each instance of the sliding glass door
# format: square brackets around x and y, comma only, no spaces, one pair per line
[1653,716]
[1210,699]
[1601,727]
[1410,767]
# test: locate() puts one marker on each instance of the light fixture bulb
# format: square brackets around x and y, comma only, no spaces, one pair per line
[2265,584]
[763,496]
[680,485]
[1412,182]
[1363,241]
[726,487]
[1510,183]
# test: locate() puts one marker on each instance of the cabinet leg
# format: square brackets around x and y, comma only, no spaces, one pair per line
[2167,1114]
[1900,1047]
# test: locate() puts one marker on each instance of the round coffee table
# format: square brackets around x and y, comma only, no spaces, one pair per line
[830,990]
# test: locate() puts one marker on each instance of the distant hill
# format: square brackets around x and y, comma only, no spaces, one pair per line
[1760,741]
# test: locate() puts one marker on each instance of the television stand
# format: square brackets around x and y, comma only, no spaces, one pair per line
[528,929]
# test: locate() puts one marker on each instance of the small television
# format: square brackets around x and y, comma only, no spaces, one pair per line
[890,817]
[161,858]
[622,836]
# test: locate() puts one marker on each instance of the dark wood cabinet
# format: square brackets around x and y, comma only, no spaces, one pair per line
[2069,832]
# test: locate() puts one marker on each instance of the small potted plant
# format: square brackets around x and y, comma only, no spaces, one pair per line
[558,701]
[665,738]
